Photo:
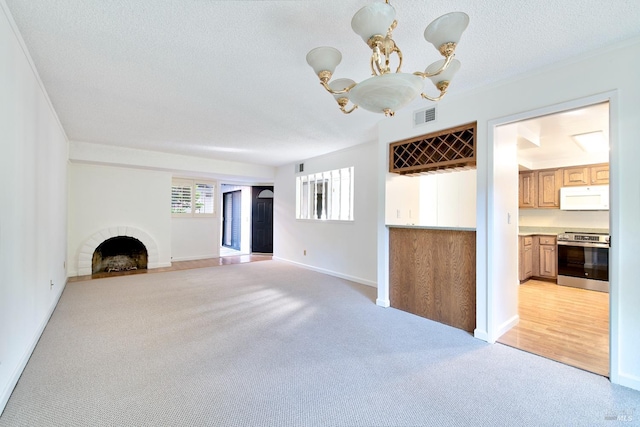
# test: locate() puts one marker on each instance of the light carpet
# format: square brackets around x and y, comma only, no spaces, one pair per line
[270,344]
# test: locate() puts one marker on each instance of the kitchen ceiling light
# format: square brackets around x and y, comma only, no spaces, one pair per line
[389,91]
[592,142]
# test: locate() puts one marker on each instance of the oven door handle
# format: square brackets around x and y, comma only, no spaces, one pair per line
[583,244]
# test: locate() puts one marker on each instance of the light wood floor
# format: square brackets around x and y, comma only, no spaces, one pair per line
[565,324]
[181,265]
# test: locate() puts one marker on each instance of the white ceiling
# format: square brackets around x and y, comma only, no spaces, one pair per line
[229,80]
[546,142]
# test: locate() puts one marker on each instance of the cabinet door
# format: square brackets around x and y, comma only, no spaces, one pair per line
[528,262]
[402,204]
[526,258]
[599,175]
[549,188]
[456,203]
[527,190]
[576,176]
[548,261]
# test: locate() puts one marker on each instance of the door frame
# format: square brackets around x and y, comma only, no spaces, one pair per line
[487,244]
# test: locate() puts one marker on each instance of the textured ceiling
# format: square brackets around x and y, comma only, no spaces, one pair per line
[229,80]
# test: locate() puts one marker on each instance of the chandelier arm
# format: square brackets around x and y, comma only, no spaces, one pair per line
[348,111]
[337,92]
[429,98]
[435,73]
[442,87]
[376,62]
[399,53]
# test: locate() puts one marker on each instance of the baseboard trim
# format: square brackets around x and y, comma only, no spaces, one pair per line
[330,272]
[159,265]
[502,329]
[481,335]
[629,381]
[383,303]
[17,372]
[192,258]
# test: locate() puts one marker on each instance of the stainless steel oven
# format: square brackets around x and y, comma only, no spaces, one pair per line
[583,261]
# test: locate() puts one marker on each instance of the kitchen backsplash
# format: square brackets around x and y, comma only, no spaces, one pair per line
[570,220]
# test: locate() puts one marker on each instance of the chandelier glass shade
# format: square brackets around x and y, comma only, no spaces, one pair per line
[389,90]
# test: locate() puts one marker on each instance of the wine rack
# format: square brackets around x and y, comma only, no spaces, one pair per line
[446,149]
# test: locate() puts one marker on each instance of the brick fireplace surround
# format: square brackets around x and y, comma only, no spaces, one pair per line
[85,255]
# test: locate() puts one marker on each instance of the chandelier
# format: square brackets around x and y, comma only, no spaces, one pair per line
[387,91]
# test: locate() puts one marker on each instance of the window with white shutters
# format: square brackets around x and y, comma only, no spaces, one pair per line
[192,197]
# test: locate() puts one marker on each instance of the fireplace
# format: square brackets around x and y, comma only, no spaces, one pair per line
[121,253]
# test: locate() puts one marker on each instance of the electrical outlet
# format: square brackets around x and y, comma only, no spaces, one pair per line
[51,284]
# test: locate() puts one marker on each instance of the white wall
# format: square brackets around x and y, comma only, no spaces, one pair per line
[563,219]
[341,248]
[102,197]
[180,238]
[195,238]
[33,170]
[178,164]
[557,85]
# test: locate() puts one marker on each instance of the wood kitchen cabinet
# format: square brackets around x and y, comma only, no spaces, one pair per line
[576,176]
[586,175]
[549,183]
[537,257]
[548,257]
[599,174]
[541,188]
[525,258]
[527,186]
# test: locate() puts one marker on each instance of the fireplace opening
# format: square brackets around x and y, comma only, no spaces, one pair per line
[120,253]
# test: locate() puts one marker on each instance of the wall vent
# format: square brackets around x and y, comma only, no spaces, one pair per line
[300,168]
[424,116]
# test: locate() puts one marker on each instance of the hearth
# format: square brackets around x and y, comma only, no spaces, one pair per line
[120,253]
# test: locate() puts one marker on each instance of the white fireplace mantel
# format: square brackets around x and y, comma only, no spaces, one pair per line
[85,254]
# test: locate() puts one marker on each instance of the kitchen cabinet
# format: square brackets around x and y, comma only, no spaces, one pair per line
[527,186]
[549,183]
[456,198]
[586,175]
[541,188]
[402,200]
[548,257]
[576,176]
[599,174]
[525,258]
[537,257]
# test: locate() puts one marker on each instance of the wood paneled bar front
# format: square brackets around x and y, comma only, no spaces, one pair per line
[432,273]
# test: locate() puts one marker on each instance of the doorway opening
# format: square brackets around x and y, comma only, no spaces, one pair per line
[247,220]
[566,324]
[236,211]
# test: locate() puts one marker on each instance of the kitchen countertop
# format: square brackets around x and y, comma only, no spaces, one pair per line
[430,227]
[554,231]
